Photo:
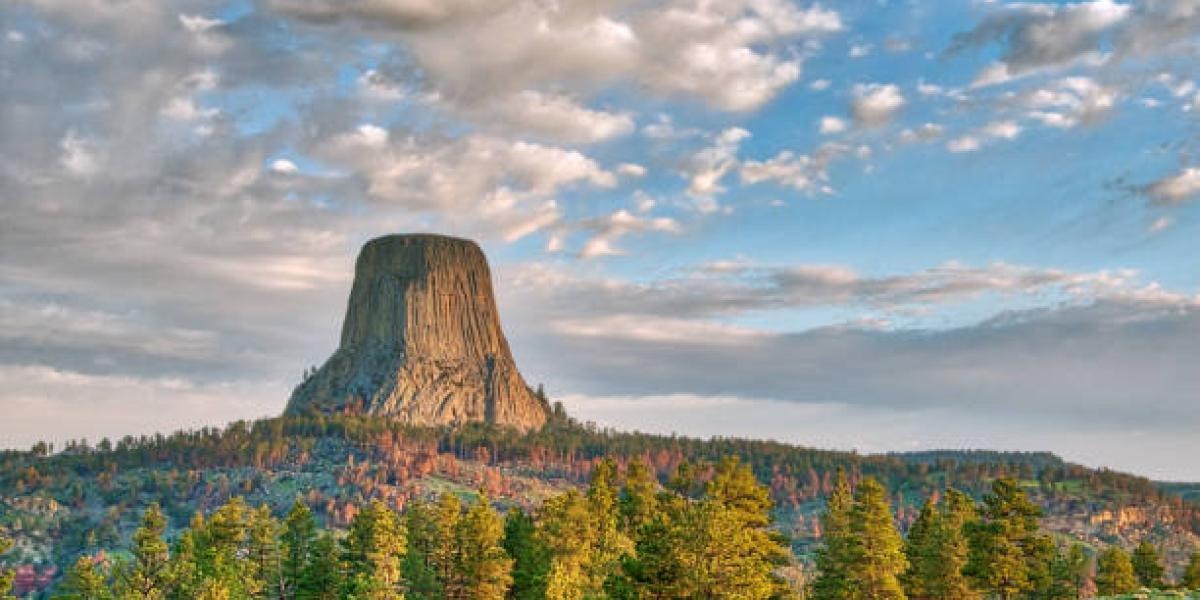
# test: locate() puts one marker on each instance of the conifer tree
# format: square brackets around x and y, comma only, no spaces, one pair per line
[531,557]
[6,576]
[639,498]
[372,552]
[1191,574]
[919,550]
[298,539]
[148,576]
[86,580]
[609,542]
[484,567]
[566,527]
[1147,566]
[877,550]
[321,578]
[263,558]
[738,552]
[420,574]
[1068,570]
[1008,557]
[834,558]
[1114,572]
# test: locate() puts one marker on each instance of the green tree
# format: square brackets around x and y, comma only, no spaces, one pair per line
[298,539]
[149,575]
[1068,572]
[639,498]
[1008,556]
[86,580]
[321,578]
[877,549]
[444,554]
[566,527]
[483,565]
[531,557]
[609,543]
[834,558]
[372,552]
[1114,572]
[1191,574]
[263,557]
[420,573]
[738,552]
[1147,566]
[919,550]
[6,576]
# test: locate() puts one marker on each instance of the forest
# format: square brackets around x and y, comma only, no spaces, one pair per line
[362,507]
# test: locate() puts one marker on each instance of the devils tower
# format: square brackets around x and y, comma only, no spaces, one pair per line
[422,342]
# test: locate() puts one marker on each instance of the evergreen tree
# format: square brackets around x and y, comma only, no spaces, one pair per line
[919,550]
[149,575]
[263,557]
[531,557]
[610,543]
[484,566]
[877,550]
[444,555]
[6,576]
[1068,570]
[1114,573]
[1008,556]
[298,539]
[566,527]
[321,578]
[420,574]
[86,580]
[1191,574]
[1146,565]
[639,498]
[372,552]
[834,558]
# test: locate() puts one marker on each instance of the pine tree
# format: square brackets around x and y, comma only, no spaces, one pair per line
[484,566]
[610,543]
[444,555]
[566,527]
[6,576]
[420,574]
[372,552]
[263,556]
[1147,566]
[297,540]
[1191,574]
[148,576]
[737,550]
[1068,569]
[834,558]
[1008,556]
[86,580]
[639,498]
[919,550]
[531,557]
[1114,572]
[877,550]
[321,578]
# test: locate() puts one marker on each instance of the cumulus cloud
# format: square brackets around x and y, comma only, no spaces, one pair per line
[1177,188]
[1070,101]
[990,132]
[558,117]
[709,166]
[802,172]
[727,54]
[831,124]
[1039,36]
[876,103]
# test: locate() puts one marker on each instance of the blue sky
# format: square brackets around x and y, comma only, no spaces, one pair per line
[870,225]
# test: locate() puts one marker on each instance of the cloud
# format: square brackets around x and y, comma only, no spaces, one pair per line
[1070,101]
[727,54]
[1040,36]
[876,103]
[558,117]
[706,168]
[1175,189]
[802,172]
[830,124]
[606,230]
[990,132]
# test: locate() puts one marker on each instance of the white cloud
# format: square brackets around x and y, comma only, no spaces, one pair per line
[859,50]
[631,170]
[831,124]
[876,103]
[284,166]
[707,167]
[1175,189]
[1070,101]
[606,231]
[559,117]
[819,85]
[78,155]
[924,133]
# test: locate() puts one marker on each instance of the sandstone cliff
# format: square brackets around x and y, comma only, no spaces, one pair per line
[422,341]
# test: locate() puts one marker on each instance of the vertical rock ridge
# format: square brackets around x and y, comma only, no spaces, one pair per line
[422,341]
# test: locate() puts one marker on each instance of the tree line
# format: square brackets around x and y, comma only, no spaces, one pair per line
[705,534]
[957,549]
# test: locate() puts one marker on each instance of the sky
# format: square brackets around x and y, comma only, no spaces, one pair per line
[870,225]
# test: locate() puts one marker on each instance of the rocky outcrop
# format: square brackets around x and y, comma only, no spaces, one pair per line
[422,341]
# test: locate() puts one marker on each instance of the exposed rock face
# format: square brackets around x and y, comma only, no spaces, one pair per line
[422,341]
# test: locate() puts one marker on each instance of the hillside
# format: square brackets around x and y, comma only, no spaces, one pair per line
[59,503]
